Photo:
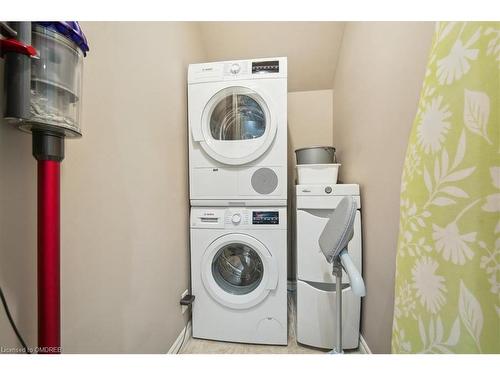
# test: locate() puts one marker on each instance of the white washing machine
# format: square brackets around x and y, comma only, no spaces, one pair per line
[238,274]
[238,132]
[316,300]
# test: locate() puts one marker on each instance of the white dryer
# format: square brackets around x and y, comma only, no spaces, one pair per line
[238,132]
[239,275]
[315,282]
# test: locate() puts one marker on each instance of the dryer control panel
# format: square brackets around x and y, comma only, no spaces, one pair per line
[265,68]
[237,217]
[272,66]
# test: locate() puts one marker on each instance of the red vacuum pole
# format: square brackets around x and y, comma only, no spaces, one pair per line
[49,315]
[48,150]
[35,102]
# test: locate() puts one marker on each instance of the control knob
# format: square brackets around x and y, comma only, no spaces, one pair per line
[235,68]
[236,218]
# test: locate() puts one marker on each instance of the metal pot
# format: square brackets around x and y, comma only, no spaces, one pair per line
[316,155]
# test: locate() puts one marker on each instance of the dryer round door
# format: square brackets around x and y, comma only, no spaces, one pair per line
[238,271]
[237,126]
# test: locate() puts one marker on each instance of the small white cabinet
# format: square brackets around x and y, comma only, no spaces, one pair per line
[316,315]
[316,296]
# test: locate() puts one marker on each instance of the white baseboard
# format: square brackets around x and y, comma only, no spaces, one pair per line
[363,346]
[178,341]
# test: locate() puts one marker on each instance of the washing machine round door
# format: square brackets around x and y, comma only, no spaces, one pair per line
[237,126]
[238,271]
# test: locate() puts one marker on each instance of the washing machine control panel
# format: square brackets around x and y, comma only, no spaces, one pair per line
[257,218]
[239,217]
[265,217]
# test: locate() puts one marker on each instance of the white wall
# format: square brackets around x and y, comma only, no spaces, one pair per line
[377,84]
[309,123]
[17,230]
[124,250]
[312,48]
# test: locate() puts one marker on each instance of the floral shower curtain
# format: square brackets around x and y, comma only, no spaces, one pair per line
[447,293]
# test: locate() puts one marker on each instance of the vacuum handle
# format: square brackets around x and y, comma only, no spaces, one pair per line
[14,45]
[357,283]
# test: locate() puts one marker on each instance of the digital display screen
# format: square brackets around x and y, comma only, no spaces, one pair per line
[265,217]
[266,66]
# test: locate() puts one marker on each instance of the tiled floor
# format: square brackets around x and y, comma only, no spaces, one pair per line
[198,346]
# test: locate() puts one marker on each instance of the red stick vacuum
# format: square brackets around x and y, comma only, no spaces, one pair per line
[49,315]
[48,149]
[43,75]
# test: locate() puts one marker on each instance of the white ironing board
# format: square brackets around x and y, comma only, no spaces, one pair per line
[333,243]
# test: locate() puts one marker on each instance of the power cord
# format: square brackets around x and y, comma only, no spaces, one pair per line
[11,321]
[183,338]
[187,300]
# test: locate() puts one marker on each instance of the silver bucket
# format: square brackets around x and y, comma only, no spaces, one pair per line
[316,155]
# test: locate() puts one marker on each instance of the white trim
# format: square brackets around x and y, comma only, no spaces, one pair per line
[178,341]
[216,202]
[363,346]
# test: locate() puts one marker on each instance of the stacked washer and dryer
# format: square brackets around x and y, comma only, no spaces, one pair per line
[238,196]
[317,196]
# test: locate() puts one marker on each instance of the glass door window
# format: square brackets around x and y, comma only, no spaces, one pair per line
[237,117]
[236,126]
[237,269]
